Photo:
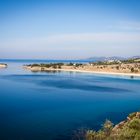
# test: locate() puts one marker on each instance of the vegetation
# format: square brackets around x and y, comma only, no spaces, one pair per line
[125,66]
[74,64]
[101,134]
[105,63]
[55,65]
[125,130]
[49,65]
[117,67]
[132,70]
[70,64]
[78,64]
[114,62]
[131,61]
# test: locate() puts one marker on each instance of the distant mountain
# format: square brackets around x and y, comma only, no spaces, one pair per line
[134,57]
[106,58]
[111,58]
[96,58]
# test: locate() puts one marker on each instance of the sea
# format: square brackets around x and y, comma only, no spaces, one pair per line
[61,105]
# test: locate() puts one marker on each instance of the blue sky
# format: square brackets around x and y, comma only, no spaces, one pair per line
[69,29]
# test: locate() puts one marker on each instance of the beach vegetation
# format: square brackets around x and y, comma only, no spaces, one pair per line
[78,64]
[132,70]
[117,67]
[70,64]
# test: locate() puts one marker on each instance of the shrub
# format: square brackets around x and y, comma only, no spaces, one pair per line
[135,124]
[59,66]
[129,130]
[107,127]
[132,69]
[117,67]
[54,66]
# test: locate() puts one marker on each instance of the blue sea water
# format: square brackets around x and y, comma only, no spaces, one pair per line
[52,106]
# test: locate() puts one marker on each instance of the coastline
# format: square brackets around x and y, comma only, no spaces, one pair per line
[3,66]
[99,72]
[37,69]
[120,131]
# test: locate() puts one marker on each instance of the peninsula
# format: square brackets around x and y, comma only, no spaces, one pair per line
[124,67]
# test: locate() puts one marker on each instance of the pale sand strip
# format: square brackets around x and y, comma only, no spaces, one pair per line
[98,72]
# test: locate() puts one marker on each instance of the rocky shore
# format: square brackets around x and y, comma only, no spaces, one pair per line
[128,129]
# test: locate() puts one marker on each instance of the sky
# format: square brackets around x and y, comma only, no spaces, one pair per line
[69,29]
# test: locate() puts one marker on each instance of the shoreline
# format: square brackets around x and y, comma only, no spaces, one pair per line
[85,71]
[3,66]
[100,72]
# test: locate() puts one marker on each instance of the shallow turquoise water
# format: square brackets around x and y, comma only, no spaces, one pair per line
[51,106]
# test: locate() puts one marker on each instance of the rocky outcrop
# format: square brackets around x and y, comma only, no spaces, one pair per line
[128,129]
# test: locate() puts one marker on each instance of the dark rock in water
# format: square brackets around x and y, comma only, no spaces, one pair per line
[132,77]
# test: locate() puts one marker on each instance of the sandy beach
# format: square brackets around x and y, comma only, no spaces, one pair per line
[98,72]
[66,69]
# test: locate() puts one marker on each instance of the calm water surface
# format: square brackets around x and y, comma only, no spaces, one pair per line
[51,106]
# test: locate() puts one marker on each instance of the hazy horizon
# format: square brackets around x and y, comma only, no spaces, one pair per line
[72,29]
[88,58]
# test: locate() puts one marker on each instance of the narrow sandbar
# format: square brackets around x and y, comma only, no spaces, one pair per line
[3,65]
